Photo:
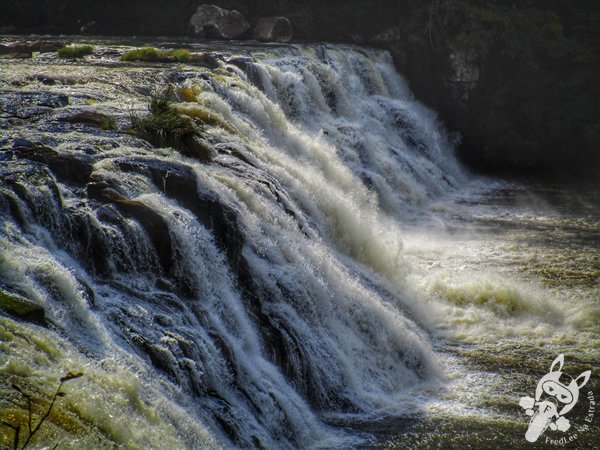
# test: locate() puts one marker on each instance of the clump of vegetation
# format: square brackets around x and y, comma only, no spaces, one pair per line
[181,55]
[187,94]
[204,116]
[151,54]
[75,52]
[142,54]
[31,428]
[164,126]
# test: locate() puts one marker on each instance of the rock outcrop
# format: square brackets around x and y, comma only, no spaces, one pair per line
[274,29]
[215,22]
[21,308]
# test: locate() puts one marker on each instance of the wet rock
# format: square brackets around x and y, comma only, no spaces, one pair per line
[22,143]
[8,52]
[66,168]
[215,22]
[179,182]
[161,357]
[274,29]
[25,49]
[205,60]
[248,67]
[107,213]
[21,308]
[91,118]
[153,222]
[52,80]
[8,202]
[163,285]
[27,105]
[44,46]
[43,79]
[96,187]
[20,176]
[53,100]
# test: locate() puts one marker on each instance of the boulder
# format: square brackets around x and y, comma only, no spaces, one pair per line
[8,51]
[274,29]
[215,22]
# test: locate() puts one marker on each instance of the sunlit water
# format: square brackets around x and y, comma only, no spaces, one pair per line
[387,297]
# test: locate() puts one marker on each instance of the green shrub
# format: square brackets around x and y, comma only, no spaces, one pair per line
[77,51]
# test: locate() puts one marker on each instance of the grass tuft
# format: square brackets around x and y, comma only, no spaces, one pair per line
[151,54]
[164,126]
[142,54]
[188,94]
[181,55]
[75,52]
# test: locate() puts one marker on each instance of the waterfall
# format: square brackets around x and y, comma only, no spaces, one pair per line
[252,298]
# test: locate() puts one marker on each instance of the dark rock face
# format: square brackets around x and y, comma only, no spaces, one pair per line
[212,21]
[510,79]
[274,29]
[178,181]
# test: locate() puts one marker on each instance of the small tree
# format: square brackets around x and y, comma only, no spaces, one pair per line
[31,429]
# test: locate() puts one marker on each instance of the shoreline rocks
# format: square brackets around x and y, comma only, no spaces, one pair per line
[274,29]
[212,21]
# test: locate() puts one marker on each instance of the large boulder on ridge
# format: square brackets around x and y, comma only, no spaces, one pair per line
[274,29]
[215,22]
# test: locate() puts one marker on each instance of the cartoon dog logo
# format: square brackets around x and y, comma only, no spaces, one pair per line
[556,394]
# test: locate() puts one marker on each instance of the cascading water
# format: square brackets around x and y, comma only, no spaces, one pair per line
[250,301]
[291,304]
